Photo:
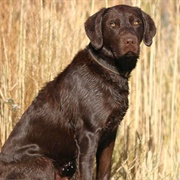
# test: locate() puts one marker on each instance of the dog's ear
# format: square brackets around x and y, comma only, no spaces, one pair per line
[149,29]
[93,28]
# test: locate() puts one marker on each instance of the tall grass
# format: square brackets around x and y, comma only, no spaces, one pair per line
[38,38]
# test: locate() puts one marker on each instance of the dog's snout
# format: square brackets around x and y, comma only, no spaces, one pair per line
[130,41]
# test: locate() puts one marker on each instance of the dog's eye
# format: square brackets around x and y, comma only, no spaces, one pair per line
[112,24]
[136,23]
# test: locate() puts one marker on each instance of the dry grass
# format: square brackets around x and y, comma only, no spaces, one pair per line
[39,38]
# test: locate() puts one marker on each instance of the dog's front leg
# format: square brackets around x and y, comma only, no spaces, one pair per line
[104,157]
[87,147]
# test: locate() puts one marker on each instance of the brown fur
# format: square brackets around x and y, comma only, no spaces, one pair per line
[75,117]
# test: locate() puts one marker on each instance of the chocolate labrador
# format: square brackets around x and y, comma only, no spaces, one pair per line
[75,117]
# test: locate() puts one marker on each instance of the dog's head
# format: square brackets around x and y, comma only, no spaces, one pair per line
[120,30]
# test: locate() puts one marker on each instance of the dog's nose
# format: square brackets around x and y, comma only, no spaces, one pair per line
[129,41]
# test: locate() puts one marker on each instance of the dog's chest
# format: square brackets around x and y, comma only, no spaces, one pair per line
[118,111]
[118,104]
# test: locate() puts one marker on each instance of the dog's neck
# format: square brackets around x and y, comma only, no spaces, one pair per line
[109,64]
[102,62]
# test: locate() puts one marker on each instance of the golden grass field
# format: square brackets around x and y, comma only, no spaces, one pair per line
[38,38]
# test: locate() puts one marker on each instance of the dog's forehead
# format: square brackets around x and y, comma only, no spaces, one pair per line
[123,10]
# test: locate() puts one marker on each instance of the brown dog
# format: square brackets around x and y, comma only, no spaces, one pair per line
[76,116]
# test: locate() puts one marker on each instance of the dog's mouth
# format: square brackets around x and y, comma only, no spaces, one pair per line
[130,54]
[127,52]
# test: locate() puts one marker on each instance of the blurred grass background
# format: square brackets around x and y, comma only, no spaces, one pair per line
[38,38]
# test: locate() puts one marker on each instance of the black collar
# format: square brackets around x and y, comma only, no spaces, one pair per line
[106,65]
